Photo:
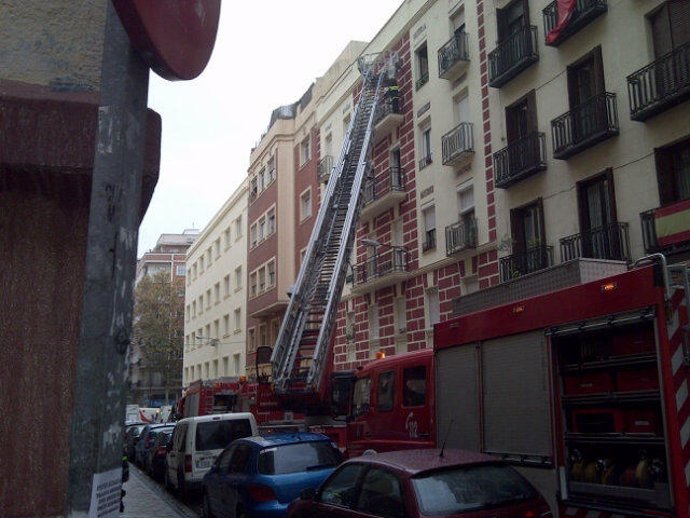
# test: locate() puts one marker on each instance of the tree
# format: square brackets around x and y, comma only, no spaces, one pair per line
[159,326]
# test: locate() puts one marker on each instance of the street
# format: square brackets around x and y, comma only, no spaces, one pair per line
[147,499]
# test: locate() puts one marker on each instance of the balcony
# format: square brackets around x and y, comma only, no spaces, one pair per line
[425,161]
[513,55]
[388,117]
[383,192]
[383,269]
[585,11]
[457,145]
[429,240]
[520,159]
[516,265]
[324,168]
[453,57]
[610,242]
[584,126]
[660,85]
[667,229]
[461,236]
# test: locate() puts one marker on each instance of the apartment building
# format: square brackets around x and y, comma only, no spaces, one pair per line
[215,295]
[147,387]
[284,192]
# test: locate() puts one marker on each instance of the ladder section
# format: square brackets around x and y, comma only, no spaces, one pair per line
[301,349]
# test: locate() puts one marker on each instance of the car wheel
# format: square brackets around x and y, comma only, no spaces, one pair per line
[206,507]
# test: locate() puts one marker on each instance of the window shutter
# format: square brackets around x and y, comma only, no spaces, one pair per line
[679,12]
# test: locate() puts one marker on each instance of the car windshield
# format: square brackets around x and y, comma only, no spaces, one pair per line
[472,488]
[292,458]
[216,435]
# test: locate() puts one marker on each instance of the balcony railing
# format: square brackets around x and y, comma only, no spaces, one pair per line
[429,240]
[585,125]
[394,260]
[461,236]
[425,161]
[423,79]
[513,55]
[660,85]
[324,168]
[585,11]
[516,265]
[386,107]
[666,229]
[457,144]
[609,242]
[452,56]
[388,117]
[519,159]
[377,188]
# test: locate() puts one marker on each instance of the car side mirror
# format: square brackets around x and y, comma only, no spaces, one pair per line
[307,493]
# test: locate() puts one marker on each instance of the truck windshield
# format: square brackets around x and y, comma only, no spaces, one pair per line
[360,398]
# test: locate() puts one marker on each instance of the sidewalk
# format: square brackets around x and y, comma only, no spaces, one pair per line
[146,499]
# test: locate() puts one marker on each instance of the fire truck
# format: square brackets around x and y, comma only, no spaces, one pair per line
[203,397]
[584,389]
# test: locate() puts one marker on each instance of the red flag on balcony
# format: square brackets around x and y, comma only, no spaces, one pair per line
[565,12]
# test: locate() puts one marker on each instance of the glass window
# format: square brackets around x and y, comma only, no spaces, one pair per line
[459,490]
[340,490]
[216,435]
[224,460]
[240,458]
[381,494]
[360,398]
[386,391]
[293,458]
[414,386]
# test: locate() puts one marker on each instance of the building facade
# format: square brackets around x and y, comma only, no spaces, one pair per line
[215,295]
[147,387]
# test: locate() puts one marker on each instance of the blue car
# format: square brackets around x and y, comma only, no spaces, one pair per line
[257,477]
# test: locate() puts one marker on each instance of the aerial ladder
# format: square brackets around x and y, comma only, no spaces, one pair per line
[301,354]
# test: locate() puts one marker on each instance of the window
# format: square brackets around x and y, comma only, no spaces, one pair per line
[597,211]
[529,251]
[216,292]
[208,298]
[425,150]
[194,309]
[238,320]
[373,317]
[271,222]
[226,368]
[400,314]
[386,391]
[226,325]
[236,364]
[521,118]
[201,263]
[433,307]
[670,27]
[381,495]
[271,167]
[304,152]
[262,228]
[271,274]
[262,179]
[238,228]
[187,313]
[422,60]
[305,204]
[209,259]
[226,285]
[462,108]
[466,213]
[253,289]
[226,237]
[238,278]
[338,490]
[513,18]
[181,270]
[216,248]
[254,235]
[429,217]
[253,188]
[263,336]
[262,280]
[673,172]
[251,340]
[414,386]
[201,304]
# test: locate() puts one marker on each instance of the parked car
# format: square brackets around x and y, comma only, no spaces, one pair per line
[146,441]
[260,476]
[155,460]
[418,483]
[131,438]
[197,442]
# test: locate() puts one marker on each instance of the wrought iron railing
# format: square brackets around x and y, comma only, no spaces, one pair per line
[534,259]
[324,168]
[609,242]
[393,260]
[452,52]
[519,159]
[425,161]
[512,55]
[461,236]
[585,11]
[585,125]
[388,106]
[661,84]
[376,188]
[457,143]
[429,240]
[423,79]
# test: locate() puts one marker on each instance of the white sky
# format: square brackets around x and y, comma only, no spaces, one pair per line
[266,55]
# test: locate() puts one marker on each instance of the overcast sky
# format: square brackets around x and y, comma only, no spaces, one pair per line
[266,55]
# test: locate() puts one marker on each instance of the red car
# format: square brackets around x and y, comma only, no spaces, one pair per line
[422,483]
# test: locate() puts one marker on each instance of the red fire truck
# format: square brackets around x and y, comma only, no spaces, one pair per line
[203,397]
[585,389]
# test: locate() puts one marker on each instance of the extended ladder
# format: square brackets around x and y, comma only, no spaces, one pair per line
[301,349]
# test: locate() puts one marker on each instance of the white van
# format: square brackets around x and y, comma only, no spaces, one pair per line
[197,441]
